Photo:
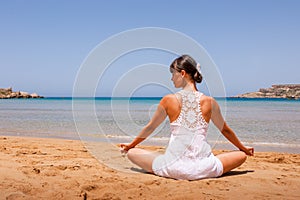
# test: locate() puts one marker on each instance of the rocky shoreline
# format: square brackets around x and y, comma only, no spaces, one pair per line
[287,91]
[8,93]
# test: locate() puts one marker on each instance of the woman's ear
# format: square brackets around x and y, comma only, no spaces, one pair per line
[183,73]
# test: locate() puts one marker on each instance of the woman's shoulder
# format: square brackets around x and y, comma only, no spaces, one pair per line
[168,98]
[207,100]
[172,105]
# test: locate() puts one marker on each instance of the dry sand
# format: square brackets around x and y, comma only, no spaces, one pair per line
[35,168]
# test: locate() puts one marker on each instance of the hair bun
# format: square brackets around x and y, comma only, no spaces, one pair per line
[197,77]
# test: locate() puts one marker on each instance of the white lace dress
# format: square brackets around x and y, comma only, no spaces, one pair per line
[188,155]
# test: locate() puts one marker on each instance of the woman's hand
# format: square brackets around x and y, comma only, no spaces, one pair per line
[124,147]
[249,151]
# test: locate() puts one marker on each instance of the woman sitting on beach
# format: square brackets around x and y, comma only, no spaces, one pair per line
[188,155]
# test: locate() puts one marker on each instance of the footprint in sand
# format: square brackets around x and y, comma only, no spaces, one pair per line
[16,195]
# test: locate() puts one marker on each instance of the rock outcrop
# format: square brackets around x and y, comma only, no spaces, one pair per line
[289,91]
[9,94]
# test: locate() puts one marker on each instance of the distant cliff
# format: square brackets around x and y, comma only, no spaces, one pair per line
[9,94]
[289,91]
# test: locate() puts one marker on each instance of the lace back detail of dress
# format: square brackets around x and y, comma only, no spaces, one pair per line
[191,116]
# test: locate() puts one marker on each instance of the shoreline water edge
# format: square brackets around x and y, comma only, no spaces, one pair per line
[267,124]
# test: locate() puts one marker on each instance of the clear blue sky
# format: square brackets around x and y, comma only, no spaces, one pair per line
[43,43]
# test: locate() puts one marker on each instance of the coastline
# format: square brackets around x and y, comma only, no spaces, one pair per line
[286,91]
[35,168]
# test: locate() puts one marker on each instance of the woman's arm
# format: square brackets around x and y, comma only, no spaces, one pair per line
[158,117]
[220,123]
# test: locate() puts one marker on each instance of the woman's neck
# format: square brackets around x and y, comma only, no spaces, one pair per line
[189,86]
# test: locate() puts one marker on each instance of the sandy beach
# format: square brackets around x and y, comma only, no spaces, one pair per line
[36,168]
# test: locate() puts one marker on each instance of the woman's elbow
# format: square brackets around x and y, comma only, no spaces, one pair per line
[226,130]
[149,128]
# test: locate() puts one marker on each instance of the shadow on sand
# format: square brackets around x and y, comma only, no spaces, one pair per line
[235,173]
[230,173]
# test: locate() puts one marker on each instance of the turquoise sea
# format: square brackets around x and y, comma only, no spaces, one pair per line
[266,124]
